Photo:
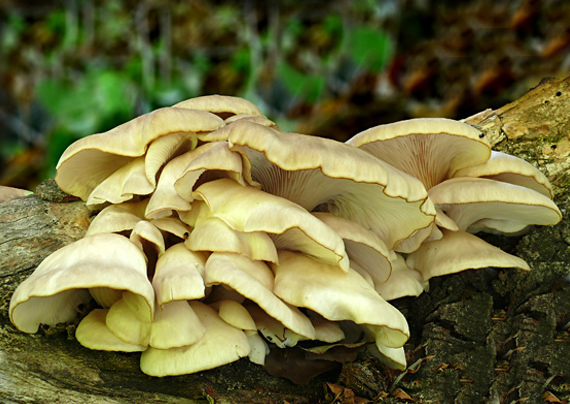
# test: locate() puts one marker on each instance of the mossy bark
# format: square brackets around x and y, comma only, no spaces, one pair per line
[492,335]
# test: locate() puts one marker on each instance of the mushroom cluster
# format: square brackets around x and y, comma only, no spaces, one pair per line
[220,237]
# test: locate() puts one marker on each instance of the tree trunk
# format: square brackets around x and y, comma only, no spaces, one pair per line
[478,336]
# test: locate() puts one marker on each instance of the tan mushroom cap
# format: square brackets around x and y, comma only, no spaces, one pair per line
[221,344]
[174,189]
[93,333]
[117,218]
[506,168]
[505,207]
[148,238]
[90,160]
[175,325]
[51,294]
[122,185]
[248,209]
[304,282]
[325,175]
[254,280]
[163,149]
[223,105]
[364,247]
[459,251]
[216,161]
[213,234]
[130,319]
[403,281]
[430,149]
[179,275]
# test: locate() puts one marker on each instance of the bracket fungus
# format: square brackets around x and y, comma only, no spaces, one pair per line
[220,237]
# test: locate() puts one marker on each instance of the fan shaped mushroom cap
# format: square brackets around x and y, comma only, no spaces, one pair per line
[219,162]
[93,333]
[236,315]
[506,168]
[130,319]
[148,238]
[505,207]
[223,105]
[322,174]
[221,344]
[175,325]
[248,209]
[403,281]
[459,251]
[304,282]
[178,275]
[254,280]
[117,218]
[88,161]
[213,234]
[122,185]
[364,247]
[174,189]
[51,294]
[430,149]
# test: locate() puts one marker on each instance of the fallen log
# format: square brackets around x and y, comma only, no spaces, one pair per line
[497,335]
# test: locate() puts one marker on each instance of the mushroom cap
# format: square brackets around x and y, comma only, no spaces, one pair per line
[117,218]
[178,275]
[430,149]
[222,105]
[175,325]
[221,344]
[122,185]
[459,251]
[234,314]
[363,246]
[88,161]
[174,189]
[254,280]
[148,238]
[507,168]
[248,209]
[51,294]
[213,234]
[325,175]
[403,281]
[304,282]
[130,319]
[506,207]
[216,161]
[93,333]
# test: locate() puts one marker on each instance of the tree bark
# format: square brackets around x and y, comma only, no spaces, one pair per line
[478,336]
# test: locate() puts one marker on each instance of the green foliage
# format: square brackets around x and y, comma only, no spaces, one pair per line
[369,48]
[304,86]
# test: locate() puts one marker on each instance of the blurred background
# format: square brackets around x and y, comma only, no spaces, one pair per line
[331,68]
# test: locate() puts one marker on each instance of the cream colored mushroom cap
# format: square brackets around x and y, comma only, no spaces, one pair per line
[222,105]
[507,168]
[430,149]
[88,161]
[248,209]
[459,251]
[221,344]
[304,282]
[254,280]
[72,270]
[179,275]
[326,175]
[510,207]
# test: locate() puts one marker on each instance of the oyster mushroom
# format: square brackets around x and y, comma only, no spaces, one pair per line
[104,263]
